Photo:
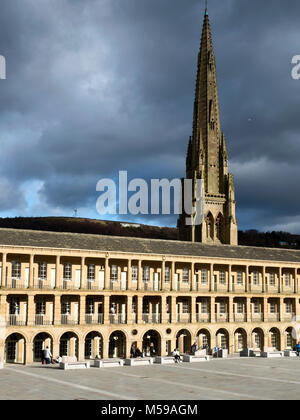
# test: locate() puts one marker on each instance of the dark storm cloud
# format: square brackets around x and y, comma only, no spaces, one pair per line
[98,86]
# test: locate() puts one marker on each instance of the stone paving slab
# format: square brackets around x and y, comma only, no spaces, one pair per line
[231,379]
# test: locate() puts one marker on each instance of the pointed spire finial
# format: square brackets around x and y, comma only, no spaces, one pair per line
[206,7]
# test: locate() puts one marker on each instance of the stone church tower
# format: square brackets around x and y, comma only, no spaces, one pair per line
[207,157]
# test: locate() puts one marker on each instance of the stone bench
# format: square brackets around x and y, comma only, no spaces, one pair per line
[74,365]
[114,362]
[272,354]
[165,360]
[290,353]
[139,361]
[250,353]
[187,358]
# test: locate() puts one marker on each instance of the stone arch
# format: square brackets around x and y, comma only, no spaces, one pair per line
[222,339]
[40,342]
[290,338]
[117,344]
[93,345]
[274,338]
[184,340]
[152,343]
[209,226]
[204,338]
[240,340]
[68,344]
[15,348]
[257,339]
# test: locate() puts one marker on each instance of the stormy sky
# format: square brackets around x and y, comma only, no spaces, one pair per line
[98,86]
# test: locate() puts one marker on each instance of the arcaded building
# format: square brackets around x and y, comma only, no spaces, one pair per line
[94,295]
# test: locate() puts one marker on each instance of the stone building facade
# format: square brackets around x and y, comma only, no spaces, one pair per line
[89,295]
[207,157]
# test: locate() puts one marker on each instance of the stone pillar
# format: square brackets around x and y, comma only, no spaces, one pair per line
[230,289]
[295,281]
[266,309]
[281,309]
[163,309]
[247,279]
[173,275]
[81,346]
[105,347]
[3,273]
[129,310]
[25,352]
[129,275]
[57,310]
[72,347]
[230,309]
[57,273]
[31,259]
[163,268]
[193,285]
[83,277]
[106,309]
[263,279]
[193,309]
[82,311]
[55,348]
[140,275]
[266,281]
[212,309]
[30,310]
[211,280]
[248,309]
[106,274]
[139,310]
[279,280]
[173,310]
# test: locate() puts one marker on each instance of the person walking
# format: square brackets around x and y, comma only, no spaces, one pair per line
[47,356]
[297,348]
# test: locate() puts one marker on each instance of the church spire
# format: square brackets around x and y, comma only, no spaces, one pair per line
[207,157]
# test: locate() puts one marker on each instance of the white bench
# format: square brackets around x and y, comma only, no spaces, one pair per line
[250,353]
[187,358]
[290,353]
[164,360]
[113,362]
[139,361]
[74,365]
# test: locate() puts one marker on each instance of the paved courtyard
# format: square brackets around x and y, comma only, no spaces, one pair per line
[235,379]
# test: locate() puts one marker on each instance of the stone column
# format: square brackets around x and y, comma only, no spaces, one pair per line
[212,309]
[173,275]
[139,310]
[248,309]
[83,277]
[129,310]
[193,285]
[173,310]
[30,310]
[57,310]
[211,280]
[163,268]
[263,279]
[129,275]
[266,309]
[57,273]
[230,289]
[31,259]
[81,345]
[28,352]
[82,305]
[193,309]
[295,281]
[247,279]
[106,274]
[230,309]
[106,309]
[3,273]
[279,280]
[281,309]
[140,275]
[55,348]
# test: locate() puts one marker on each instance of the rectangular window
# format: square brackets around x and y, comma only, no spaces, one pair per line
[41,308]
[204,276]
[185,307]
[42,271]
[287,279]
[272,279]
[222,307]
[68,271]
[204,307]
[273,308]
[239,278]
[146,274]
[91,272]
[256,307]
[288,307]
[256,278]
[14,307]
[134,273]
[167,274]
[240,308]
[222,277]
[113,273]
[16,270]
[66,308]
[90,306]
[185,275]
